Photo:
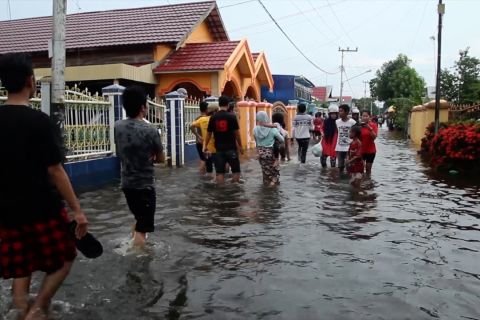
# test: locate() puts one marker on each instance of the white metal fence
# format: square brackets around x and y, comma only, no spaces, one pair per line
[191,111]
[89,122]
[156,116]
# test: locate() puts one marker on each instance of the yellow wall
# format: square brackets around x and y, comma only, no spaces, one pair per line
[421,117]
[200,34]
[161,51]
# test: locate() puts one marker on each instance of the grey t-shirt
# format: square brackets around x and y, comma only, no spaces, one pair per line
[136,142]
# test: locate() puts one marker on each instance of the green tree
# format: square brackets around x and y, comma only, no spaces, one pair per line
[396,79]
[463,85]
[449,86]
[397,83]
[365,103]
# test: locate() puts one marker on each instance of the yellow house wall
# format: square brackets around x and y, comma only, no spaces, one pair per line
[201,34]
[161,51]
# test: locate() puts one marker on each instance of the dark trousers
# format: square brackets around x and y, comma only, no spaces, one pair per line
[302,149]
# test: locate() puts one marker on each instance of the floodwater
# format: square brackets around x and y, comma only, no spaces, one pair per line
[405,247]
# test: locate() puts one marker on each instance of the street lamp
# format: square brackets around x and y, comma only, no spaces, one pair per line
[341,83]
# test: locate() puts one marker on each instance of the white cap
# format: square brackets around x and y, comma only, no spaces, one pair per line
[355,110]
[333,108]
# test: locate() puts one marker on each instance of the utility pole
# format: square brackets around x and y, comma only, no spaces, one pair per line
[57,108]
[365,94]
[441,12]
[342,70]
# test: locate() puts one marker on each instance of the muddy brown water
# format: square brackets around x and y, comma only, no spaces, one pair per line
[405,247]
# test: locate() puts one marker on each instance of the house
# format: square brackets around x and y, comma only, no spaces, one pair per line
[161,47]
[289,89]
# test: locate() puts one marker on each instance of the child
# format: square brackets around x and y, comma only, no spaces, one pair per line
[265,137]
[317,126]
[280,149]
[354,161]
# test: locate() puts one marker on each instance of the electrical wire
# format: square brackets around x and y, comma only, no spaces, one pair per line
[236,4]
[340,23]
[293,43]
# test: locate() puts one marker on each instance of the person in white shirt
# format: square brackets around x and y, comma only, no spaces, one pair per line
[302,124]
[343,142]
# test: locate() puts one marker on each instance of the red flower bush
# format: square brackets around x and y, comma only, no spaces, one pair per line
[455,146]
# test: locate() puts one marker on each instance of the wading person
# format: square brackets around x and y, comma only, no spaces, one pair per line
[356,115]
[265,138]
[138,146]
[317,126]
[223,125]
[354,160]
[343,141]
[34,226]
[199,136]
[329,140]
[202,124]
[368,136]
[281,149]
[302,124]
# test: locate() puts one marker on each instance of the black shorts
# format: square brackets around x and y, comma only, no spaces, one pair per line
[223,157]
[141,203]
[368,157]
[200,151]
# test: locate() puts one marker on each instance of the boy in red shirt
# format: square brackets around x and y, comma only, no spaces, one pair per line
[354,158]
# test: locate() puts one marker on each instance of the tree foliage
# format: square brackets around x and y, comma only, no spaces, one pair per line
[398,84]
[396,79]
[463,85]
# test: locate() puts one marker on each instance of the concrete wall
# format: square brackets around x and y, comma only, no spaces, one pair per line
[422,116]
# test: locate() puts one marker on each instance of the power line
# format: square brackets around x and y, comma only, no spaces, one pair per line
[339,22]
[291,41]
[236,4]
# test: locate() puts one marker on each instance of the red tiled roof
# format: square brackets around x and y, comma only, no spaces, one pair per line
[320,93]
[199,56]
[161,24]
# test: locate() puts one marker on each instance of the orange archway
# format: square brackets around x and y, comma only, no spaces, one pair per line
[231,90]
[252,94]
[192,90]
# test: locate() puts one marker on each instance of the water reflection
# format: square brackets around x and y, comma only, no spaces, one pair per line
[406,245]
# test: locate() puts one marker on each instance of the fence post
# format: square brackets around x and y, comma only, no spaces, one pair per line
[115,112]
[175,102]
[45,84]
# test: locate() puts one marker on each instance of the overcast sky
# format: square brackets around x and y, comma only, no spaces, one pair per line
[381,29]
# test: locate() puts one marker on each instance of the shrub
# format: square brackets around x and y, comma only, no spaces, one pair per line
[455,146]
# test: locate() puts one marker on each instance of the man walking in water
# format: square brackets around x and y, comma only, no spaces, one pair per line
[34,226]
[302,124]
[224,127]
[344,124]
[138,146]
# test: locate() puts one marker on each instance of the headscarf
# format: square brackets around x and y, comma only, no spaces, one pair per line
[260,131]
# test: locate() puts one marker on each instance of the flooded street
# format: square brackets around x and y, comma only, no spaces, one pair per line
[406,247]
